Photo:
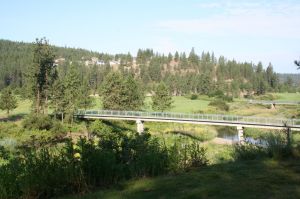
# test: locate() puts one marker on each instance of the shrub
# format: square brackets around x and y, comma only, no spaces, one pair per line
[227,98]
[217,94]
[248,152]
[37,122]
[277,146]
[274,146]
[220,104]
[99,128]
[43,122]
[194,96]
[197,155]
[46,170]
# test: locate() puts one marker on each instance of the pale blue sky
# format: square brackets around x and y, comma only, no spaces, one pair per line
[244,30]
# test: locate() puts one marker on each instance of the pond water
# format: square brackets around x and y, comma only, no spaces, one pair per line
[233,136]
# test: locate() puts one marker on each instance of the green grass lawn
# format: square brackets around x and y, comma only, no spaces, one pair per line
[183,104]
[23,108]
[257,179]
[288,96]
[186,105]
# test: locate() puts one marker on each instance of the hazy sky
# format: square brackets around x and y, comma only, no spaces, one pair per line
[244,30]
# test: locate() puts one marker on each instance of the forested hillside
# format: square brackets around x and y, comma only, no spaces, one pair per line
[182,73]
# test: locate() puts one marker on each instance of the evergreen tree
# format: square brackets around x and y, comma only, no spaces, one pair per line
[259,68]
[41,75]
[119,93]
[170,57]
[8,101]
[133,93]
[72,91]
[193,58]
[176,56]
[85,101]
[112,92]
[161,100]
[58,100]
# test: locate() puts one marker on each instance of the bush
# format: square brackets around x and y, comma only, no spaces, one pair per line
[277,146]
[221,105]
[37,122]
[99,128]
[43,122]
[248,152]
[194,96]
[217,94]
[274,146]
[48,170]
[227,98]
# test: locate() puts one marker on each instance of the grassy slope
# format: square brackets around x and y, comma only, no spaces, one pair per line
[288,96]
[181,104]
[22,109]
[249,179]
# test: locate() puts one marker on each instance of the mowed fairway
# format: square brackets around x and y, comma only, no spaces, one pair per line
[24,106]
[288,96]
[183,104]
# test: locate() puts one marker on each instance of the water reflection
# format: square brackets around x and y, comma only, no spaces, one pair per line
[233,136]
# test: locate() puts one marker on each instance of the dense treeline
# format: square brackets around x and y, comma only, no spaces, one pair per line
[182,73]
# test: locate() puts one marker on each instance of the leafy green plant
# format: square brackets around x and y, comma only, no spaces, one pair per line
[194,97]
[248,152]
[220,104]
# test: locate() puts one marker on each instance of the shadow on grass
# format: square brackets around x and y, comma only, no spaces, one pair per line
[257,179]
[13,118]
[186,134]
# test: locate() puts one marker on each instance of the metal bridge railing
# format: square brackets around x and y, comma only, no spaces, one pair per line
[274,102]
[193,117]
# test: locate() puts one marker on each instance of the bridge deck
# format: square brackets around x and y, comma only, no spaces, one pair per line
[211,119]
[278,102]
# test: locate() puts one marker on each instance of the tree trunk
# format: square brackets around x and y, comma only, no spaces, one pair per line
[62,117]
[46,94]
[38,101]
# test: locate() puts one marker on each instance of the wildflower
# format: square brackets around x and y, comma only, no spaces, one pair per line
[77,155]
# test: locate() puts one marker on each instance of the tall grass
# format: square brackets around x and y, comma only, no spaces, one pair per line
[275,146]
[44,169]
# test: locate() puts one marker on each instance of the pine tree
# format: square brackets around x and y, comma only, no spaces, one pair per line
[112,91]
[176,56]
[133,93]
[84,99]
[58,101]
[41,74]
[119,93]
[161,100]
[8,101]
[193,58]
[72,91]
[170,58]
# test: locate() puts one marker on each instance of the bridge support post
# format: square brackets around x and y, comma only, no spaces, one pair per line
[240,131]
[140,126]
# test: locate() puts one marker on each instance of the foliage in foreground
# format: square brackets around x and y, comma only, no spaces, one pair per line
[8,101]
[47,169]
[275,146]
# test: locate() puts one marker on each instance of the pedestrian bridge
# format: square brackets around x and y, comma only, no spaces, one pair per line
[274,102]
[208,119]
